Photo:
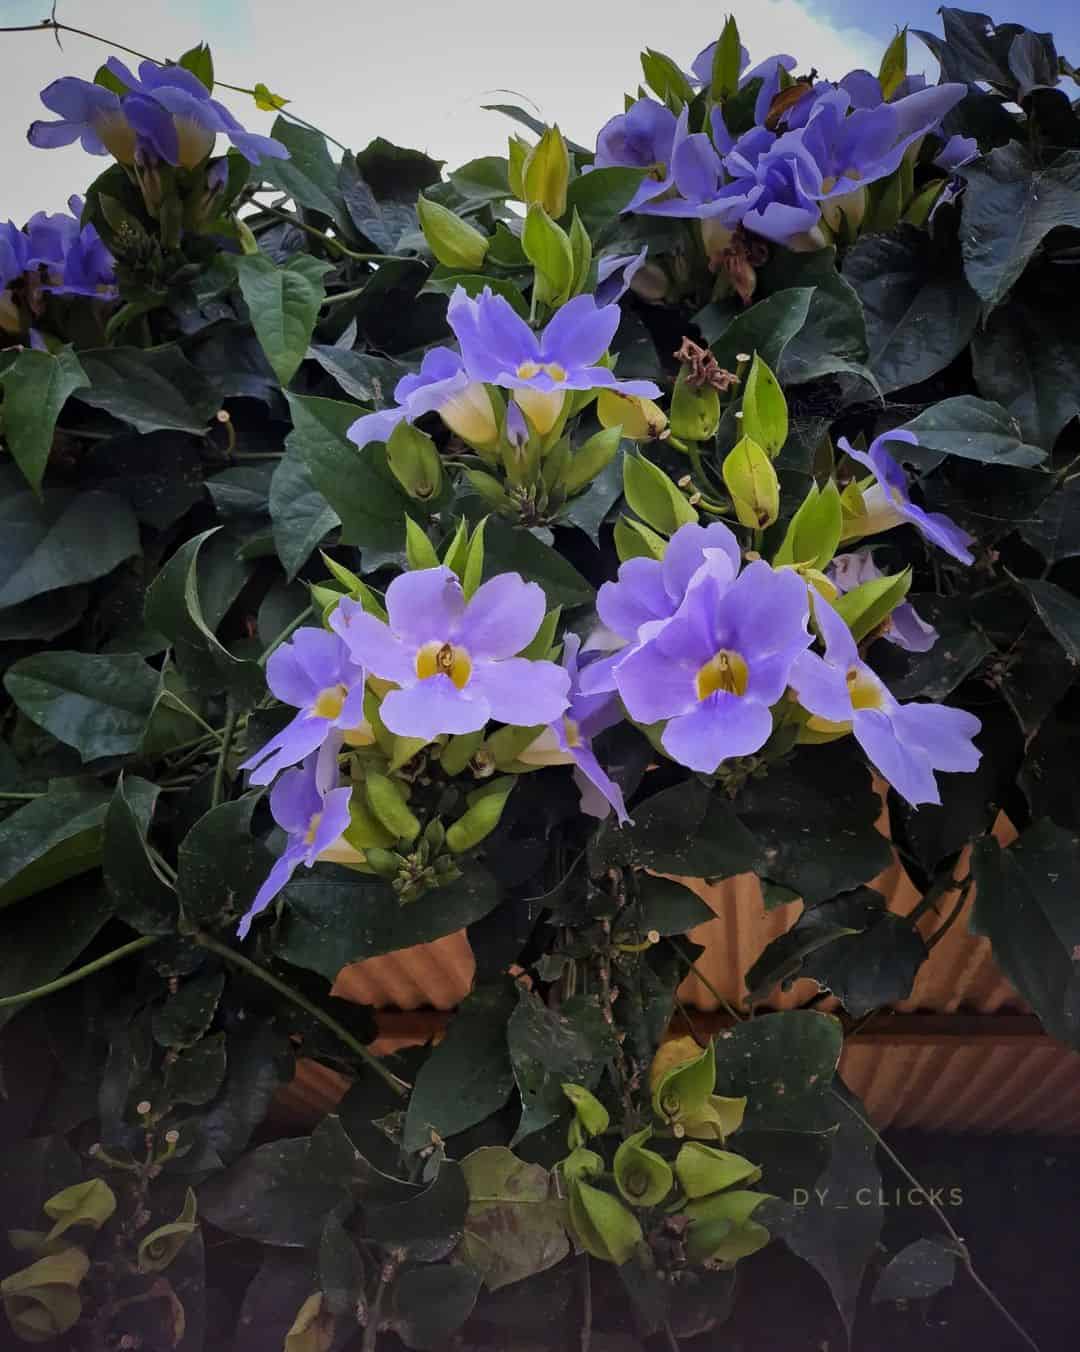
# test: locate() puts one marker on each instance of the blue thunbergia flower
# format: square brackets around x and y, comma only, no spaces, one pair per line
[644,137]
[905,742]
[454,661]
[905,627]
[14,261]
[714,670]
[307,804]
[75,258]
[568,740]
[956,152]
[440,386]
[315,673]
[767,71]
[499,348]
[615,272]
[167,113]
[888,502]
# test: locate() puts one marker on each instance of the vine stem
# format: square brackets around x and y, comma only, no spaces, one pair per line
[332,242]
[88,969]
[223,755]
[586,1302]
[961,1248]
[20,797]
[725,1005]
[207,941]
[371,1329]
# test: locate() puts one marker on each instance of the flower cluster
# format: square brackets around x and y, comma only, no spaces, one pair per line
[498,348]
[165,114]
[810,155]
[54,253]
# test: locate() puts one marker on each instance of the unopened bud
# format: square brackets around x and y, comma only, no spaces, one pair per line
[454,242]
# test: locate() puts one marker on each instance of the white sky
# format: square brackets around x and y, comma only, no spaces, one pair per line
[415,73]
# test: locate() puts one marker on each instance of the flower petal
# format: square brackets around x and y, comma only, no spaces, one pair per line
[580,333]
[502,617]
[589,767]
[654,685]
[375,426]
[720,727]
[906,768]
[295,741]
[371,643]
[521,692]
[637,597]
[425,604]
[432,707]
[276,879]
[686,553]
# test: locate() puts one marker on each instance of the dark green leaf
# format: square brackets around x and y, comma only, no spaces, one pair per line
[468,1076]
[220,866]
[355,483]
[852,946]
[153,388]
[668,907]
[960,650]
[432,1215]
[917,1272]
[61,542]
[184,1017]
[28,620]
[974,429]
[599,196]
[431,1303]
[836,1230]
[1059,610]
[550,1047]
[284,304]
[285,1279]
[142,899]
[309,175]
[200,62]
[919,316]
[514,1225]
[783,1064]
[482,180]
[195,1074]
[508,549]
[395,172]
[815,818]
[260,1062]
[1026,357]
[97,703]
[766,328]
[342,1275]
[276,1194]
[334,916]
[362,376]
[36,386]
[1009,208]
[382,223]
[301,515]
[1053,528]
[1048,775]
[42,940]
[445,283]
[1024,905]
[51,839]
[833,336]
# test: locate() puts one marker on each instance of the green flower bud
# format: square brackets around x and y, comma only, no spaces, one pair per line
[545,175]
[387,802]
[652,495]
[42,1301]
[695,410]
[814,531]
[590,459]
[602,1225]
[764,409]
[643,1177]
[751,480]
[639,419]
[454,242]
[721,1229]
[581,1165]
[414,462]
[481,817]
[90,1203]
[158,1249]
[702,1170]
[590,1112]
[385,863]
[459,751]
[681,1078]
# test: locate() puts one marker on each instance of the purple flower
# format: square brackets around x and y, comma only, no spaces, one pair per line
[905,742]
[167,113]
[614,273]
[315,673]
[74,256]
[956,152]
[774,188]
[306,804]
[568,741]
[499,348]
[716,667]
[454,661]
[87,113]
[643,137]
[888,503]
[14,261]
[905,626]
[767,71]
[440,386]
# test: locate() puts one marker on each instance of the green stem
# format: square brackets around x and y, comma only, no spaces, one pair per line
[170,697]
[289,629]
[223,754]
[727,1008]
[20,797]
[213,945]
[960,1249]
[343,296]
[70,978]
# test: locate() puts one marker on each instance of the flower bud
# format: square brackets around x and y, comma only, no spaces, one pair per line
[702,1169]
[588,1109]
[470,415]
[42,1301]
[721,1229]
[603,1226]
[454,242]
[643,1177]
[751,480]
[545,175]
[581,1165]
[414,462]
[695,410]
[640,419]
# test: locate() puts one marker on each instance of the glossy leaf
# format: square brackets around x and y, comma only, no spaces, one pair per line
[36,387]
[284,304]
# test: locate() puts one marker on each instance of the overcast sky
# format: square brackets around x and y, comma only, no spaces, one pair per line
[418,73]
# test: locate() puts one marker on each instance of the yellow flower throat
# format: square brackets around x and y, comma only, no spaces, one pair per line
[444,659]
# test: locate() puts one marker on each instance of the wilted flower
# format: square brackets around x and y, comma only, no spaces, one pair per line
[454,661]
[888,503]
[167,111]
[904,626]
[906,742]
[499,348]
[717,666]
[315,673]
[305,803]
[568,741]
[440,386]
